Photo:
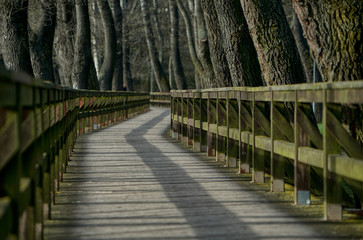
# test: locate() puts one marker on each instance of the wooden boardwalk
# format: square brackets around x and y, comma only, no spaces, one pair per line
[129,181]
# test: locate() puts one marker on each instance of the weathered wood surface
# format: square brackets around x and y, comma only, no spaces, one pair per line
[129,181]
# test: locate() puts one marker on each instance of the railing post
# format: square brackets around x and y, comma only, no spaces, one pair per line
[332,183]
[210,144]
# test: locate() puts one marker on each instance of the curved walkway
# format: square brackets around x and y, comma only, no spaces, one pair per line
[129,181]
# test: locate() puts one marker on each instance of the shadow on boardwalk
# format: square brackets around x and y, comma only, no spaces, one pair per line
[129,182]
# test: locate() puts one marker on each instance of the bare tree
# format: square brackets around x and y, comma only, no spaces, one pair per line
[160,77]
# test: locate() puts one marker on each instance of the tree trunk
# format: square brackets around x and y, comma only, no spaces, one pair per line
[277,52]
[159,33]
[160,77]
[127,75]
[63,45]
[95,31]
[117,16]
[217,54]
[191,44]
[177,66]
[110,47]
[238,45]
[15,47]
[334,33]
[41,22]
[203,47]
[82,47]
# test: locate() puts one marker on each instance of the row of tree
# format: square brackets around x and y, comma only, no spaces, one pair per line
[101,43]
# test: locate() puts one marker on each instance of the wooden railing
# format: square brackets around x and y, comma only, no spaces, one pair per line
[234,124]
[39,123]
[160,99]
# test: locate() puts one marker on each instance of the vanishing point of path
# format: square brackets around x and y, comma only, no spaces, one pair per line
[129,181]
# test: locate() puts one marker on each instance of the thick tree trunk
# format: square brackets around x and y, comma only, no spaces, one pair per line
[177,66]
[118,73]
[203,47]
[82,47]
[110,47]
[63,46]
[217,54]
[334,32]
[41,22]
[274,42]
[160,77]
[15,47]
[238,46]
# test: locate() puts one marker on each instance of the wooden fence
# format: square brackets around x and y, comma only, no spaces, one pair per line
[160,99]
[39,123]
[273,130]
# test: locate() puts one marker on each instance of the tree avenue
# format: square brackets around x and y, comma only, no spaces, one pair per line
[122,44]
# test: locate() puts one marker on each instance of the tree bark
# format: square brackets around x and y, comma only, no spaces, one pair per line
[41,22]
[63,46]
[15,48]
[127,75]
[110,47]
[277,52]
[82,47]
[191,44]
[238,46]
[217,54]
[159,33]
[118,73]
[177,66]
[334,33]
[160,77]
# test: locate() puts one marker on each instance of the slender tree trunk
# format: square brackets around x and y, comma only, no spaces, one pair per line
[189,29]
[215,39]
[15,48]
[82,47]
[177,66]
[118,73]
[93,11]
[160,77]
[41,22]
[159,33]
[171,74]
[334,32]
[238,46]
[127,75]
[108,65]
[274,42]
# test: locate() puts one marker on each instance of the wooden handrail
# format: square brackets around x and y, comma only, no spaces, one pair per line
[160,99]
[39,123]
[234,125]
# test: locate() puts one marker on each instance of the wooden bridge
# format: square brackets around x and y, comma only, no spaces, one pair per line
[101,165]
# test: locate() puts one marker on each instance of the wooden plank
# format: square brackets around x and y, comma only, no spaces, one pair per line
[346,167]
[311,156]
[7,93]
[263,142]
[6,217]
[27,130]
[285,149]
[9,141]
[283,125]
[349,144]
[309,128]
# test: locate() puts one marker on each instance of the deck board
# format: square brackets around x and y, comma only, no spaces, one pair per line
[129,181]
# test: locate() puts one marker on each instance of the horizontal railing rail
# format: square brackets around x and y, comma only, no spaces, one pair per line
[274,130]
[160,99]
[39,123]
